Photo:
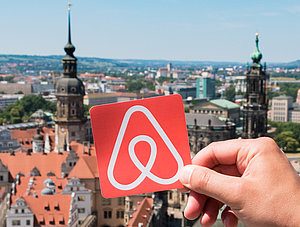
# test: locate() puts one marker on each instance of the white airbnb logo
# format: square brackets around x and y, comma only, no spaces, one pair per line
[145,170]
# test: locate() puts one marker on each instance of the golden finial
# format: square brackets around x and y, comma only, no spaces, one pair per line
[69,6]
[256,34]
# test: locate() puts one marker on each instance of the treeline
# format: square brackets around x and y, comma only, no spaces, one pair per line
[137,85]
[287,135]
[289,89]
[295,75]
[23,108]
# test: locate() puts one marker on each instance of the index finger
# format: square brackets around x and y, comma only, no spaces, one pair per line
[219,153]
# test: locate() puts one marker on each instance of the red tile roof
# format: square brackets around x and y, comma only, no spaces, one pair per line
[22,163]
[37,205]
[142,213]
[25,137]
[86,168]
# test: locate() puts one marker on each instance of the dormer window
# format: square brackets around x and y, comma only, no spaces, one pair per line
[62,89]
[73,89]
[61,220]
[46,206]
[56,206]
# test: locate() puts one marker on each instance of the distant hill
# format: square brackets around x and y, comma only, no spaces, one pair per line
[54,63]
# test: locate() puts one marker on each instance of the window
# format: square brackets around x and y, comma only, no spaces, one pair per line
[27,222]
[170,195]
[1,178]
[73,112]
[182,197]
[121,201]
[120,214]
[81,210]
[72,133]
[16,222]
[73,89]
[106,202]
[22,211]
[16,211]
[107,214]
[81,198]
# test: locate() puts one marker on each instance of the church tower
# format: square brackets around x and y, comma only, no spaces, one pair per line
[255,110]
[69,120]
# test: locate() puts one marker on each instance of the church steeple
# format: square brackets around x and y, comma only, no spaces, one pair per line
[69,120]
[69,60]
[69,48]
[256,108]
[256,56]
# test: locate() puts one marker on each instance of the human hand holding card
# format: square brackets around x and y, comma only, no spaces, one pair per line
[141,145]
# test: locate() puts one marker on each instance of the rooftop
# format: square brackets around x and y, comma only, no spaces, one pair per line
[225,103]
[142,213]
[283,97]
[46,208]
[203,119]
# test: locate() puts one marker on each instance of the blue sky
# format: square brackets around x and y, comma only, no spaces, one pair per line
[154,29]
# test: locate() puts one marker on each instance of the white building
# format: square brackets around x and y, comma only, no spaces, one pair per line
[82,198]
[19,214]
[283,110]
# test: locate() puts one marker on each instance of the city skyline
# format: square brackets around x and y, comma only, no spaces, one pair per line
[165,29]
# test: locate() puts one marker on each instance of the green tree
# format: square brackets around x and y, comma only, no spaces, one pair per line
[87,109]
[230,93]
[286,141]
[134,86]
[23,108]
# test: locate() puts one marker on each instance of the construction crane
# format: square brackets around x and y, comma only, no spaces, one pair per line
[53,78]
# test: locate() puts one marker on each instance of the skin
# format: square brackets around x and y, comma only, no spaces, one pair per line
[252,177]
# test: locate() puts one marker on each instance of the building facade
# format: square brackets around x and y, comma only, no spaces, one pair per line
[256,108]
[204,129]
[284,110]
[221,108]
[205,88]
[7,143]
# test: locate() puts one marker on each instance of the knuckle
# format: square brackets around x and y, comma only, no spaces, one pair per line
[269,144]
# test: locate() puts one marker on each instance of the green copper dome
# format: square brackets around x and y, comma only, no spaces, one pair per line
[256,56]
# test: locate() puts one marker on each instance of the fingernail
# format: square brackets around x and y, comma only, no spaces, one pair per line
[185,175]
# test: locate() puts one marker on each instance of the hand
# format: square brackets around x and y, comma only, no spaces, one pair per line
[252,177]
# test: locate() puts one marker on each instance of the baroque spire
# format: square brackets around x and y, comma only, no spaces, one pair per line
[69,48]
[256,56]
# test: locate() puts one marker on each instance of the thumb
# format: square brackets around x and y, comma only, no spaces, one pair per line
[211,183]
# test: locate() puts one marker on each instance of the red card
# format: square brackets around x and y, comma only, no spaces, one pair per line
[141,145]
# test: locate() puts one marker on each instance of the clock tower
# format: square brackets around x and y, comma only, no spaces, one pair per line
[70,121]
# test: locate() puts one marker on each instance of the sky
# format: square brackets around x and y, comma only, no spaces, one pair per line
[200,30]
